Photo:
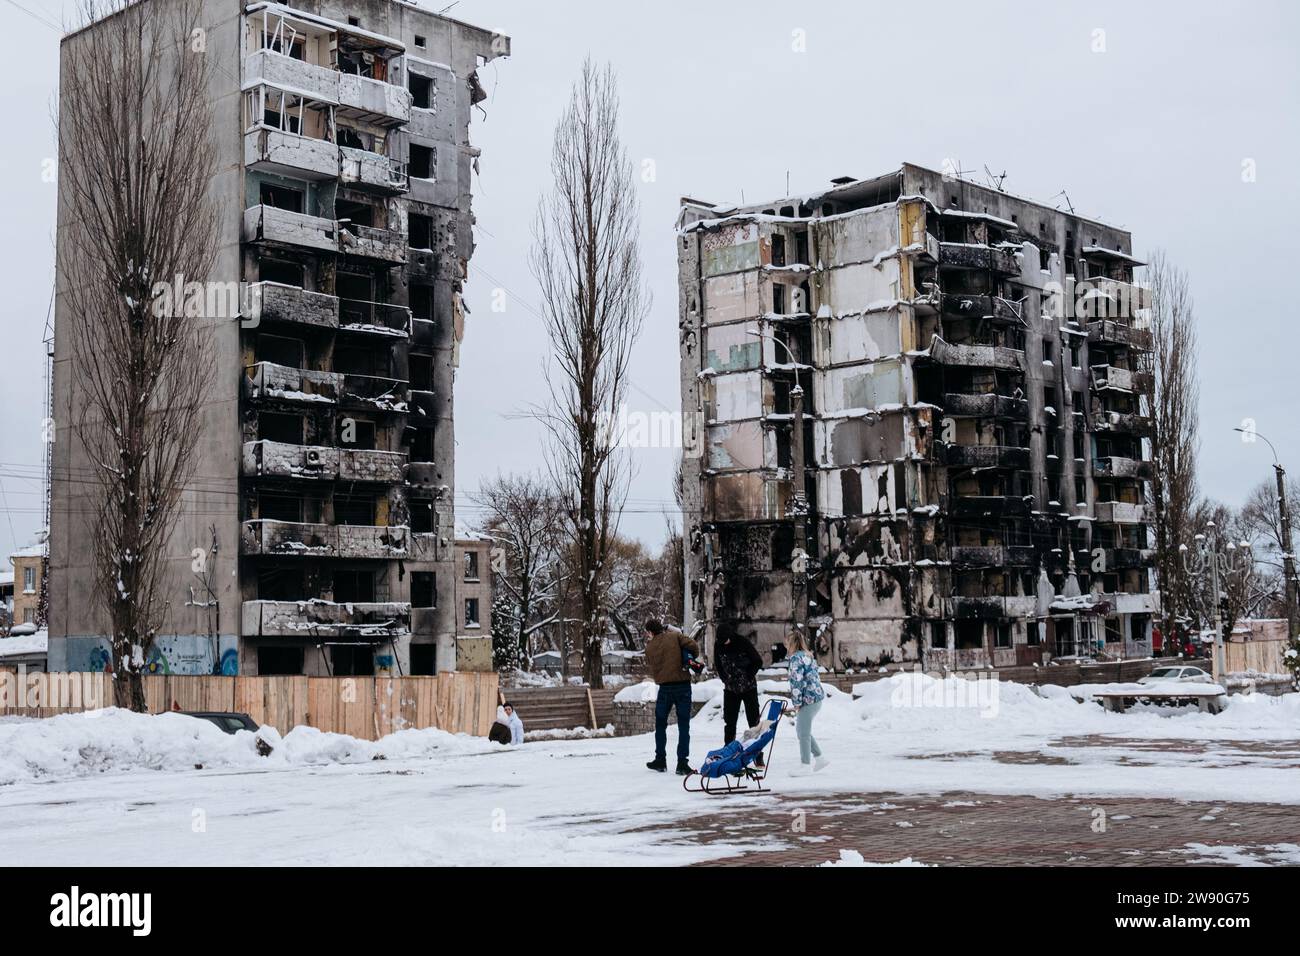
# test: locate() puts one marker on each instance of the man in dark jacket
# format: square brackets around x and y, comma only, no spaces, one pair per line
[738,664]
[665,659]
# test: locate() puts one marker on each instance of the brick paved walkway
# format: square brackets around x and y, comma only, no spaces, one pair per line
[967,829]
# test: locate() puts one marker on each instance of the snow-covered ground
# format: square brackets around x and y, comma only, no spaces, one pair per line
[120,788]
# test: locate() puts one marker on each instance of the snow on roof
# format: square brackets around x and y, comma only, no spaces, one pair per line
[37,643]
[465,533]
[1113,253]
[6,577]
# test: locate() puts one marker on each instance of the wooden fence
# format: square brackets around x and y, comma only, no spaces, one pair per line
[1265,657]
[364,707]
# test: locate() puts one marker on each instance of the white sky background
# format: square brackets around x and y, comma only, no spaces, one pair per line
[1150,134]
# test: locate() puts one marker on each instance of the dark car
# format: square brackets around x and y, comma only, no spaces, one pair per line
[230,723]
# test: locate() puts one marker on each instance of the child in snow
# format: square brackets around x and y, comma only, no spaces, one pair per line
[806,696]
[516,725]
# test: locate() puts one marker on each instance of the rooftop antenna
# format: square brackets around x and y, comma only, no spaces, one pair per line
[993,176]
[1068,204]
[446,8]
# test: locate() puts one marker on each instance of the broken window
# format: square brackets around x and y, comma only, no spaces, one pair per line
[282,197]
[422,517]
[778,250]
[353,585]
[277,270]
[351,138]
[1033,634]
[424,660]
[280,349]
[471,565]
[778,302]
[420,229]
[354,509]
[851,491]
[1004,635]
[471,612]
[279,506]
[352,660]
[357,213]
[938,635]
[422,445]
[279,661]
[422,302]
[423,90]
[421,373]
[424,589]
[970,635]
[420,42]
[280,584]
[277,426]
[422,161]
[353,433]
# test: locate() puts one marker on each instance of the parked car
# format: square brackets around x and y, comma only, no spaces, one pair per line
[1178,675]
[230,723]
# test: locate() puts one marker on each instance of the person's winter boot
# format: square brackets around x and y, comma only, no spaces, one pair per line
[759,762]
[684,769]
[658,764]
[820,764]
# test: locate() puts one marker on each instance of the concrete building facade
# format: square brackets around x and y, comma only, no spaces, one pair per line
[976,433]
[317,535]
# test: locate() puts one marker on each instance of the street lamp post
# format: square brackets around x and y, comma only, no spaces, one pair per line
[799,507]
[1206,558]
[1288,550]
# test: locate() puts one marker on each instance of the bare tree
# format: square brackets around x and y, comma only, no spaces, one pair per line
[136,158]
[1176,440]
[1262,522]
[524,516]
[588,266]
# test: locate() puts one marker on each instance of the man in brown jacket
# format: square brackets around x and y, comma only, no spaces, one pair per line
[665,658]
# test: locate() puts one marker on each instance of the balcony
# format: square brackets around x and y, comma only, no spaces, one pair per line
[282,227]
[267,381]
[371,171]
[304,540]
[1126,423]
[1120,379]
[378,318]
[985,456]
[976,356]
[320,463]
[962,255]
[991,556]
[990,506]
[424,475]
[374,101]
[975,306]
[1115,467]
[317,619]
[288,154]
[368,242]
[992,607]
[1122,512]
[1128,559]
[1107,332]
[274,302]
[378,393]
[317,82]
[964,405]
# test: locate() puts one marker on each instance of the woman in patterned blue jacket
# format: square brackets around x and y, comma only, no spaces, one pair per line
[806,696]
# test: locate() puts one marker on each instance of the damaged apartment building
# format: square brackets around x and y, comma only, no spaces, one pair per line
[974,371]
[322,506]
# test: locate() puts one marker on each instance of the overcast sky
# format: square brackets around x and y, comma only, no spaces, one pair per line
[1150,133]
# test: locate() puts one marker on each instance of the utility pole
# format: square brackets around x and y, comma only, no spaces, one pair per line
[1288,553]
[1287,542]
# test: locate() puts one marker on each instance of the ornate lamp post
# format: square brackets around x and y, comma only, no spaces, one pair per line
[1206,558]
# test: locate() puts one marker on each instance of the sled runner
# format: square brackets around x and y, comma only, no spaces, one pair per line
[730,769]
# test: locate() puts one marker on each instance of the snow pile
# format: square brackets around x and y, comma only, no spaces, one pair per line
[854,858]
[37,643]
[114,740]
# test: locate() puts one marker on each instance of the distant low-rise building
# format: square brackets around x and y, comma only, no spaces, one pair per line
[29,570]
[473,601]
